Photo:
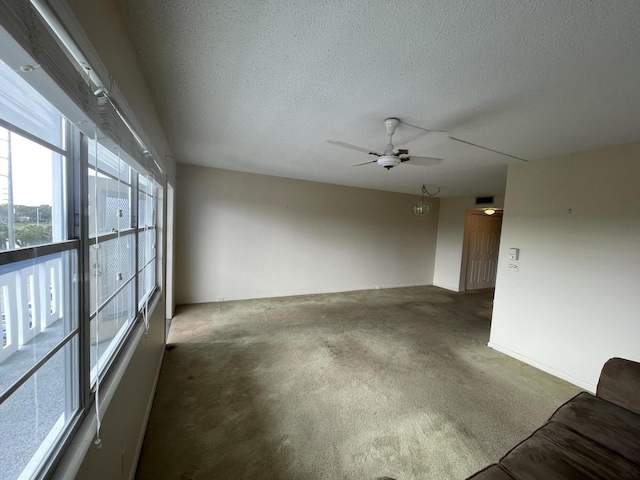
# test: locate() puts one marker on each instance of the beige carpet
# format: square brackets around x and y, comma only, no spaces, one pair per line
[356,385]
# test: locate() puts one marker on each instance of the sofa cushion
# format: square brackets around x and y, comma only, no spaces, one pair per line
[612,426]
[619,383]
[492,472]
[554,452]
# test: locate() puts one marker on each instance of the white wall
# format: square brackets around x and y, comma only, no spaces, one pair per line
[575,300]
[448,262]
[243,235]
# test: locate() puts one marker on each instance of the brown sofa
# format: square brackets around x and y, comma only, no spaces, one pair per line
[588,437]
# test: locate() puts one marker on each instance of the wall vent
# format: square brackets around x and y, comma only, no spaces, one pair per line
[484,200]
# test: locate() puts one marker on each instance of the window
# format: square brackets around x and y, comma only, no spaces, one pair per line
[73,200]
[116,264]
[39,356]
[111,252]
[146,238]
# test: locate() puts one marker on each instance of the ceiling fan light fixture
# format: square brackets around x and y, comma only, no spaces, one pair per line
[388,161]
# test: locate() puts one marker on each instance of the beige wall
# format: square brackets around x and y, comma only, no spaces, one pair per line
[574,302]
[448,262]
[243,235]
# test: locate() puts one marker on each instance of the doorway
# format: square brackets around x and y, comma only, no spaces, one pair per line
[480,250]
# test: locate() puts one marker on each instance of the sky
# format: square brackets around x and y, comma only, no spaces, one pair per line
[32,173]
[21,105]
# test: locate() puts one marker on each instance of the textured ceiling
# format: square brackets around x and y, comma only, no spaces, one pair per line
[260,86]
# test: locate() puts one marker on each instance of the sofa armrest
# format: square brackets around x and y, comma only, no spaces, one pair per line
[619,383]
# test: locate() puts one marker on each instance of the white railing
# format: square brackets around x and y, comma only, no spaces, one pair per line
[30,301]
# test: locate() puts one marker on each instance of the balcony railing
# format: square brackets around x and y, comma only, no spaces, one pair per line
[31,300]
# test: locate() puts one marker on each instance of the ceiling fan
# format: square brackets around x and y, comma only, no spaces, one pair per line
[390,157]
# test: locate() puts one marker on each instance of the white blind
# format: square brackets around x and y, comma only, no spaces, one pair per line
[22,106]
[27,27]
[112,125]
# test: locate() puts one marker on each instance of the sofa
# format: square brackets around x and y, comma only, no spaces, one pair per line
[588,437]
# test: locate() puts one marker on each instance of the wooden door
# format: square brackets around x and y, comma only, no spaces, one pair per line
[482,251]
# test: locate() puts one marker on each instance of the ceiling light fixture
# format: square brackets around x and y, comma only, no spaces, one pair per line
[489,211]
[424,208]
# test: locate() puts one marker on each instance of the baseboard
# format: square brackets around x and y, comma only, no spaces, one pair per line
[544,368]
[447,287]
[145,423]
[295,293]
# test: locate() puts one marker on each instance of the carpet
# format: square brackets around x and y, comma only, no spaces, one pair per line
[394,383]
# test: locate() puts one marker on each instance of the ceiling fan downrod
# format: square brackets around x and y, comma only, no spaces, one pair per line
[388,159]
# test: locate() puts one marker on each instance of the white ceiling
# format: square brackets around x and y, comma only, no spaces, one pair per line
[260,86]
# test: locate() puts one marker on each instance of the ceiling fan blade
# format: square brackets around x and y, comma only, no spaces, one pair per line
[421,161]
[488,149]
[364,163]
[435,138]
[352,147]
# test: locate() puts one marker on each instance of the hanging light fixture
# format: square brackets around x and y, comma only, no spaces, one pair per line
[424,208]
